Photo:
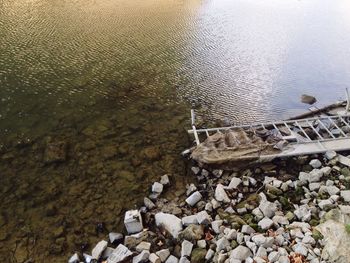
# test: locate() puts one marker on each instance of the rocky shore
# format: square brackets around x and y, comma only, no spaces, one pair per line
[294,210]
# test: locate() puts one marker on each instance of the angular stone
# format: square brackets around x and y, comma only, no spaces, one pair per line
[172,259]
[202,243]
[221,195]
[246,229]
[120,254]
[98,249]
[314,186]
[142,257]
[301,249]
[330,155]
[115,237]
[148,203]
[188,220]
[209,254]
[184,260]
[143,246]
[267,208]
[235,182]
[216,225]
[164,180]
[133,221]
[315,176]
[241,253]
[74,259]
[265,223]
[273,256]
[203,218]
[163,254]
[186,248]
[346,195]
[153,258]
[222,244]
[194,198]
[315,163]
[171,223]
[261,252]
[157,187]
[333,190]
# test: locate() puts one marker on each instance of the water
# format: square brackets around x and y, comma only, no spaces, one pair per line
[114,80]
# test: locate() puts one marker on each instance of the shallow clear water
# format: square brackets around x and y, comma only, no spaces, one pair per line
[111,78]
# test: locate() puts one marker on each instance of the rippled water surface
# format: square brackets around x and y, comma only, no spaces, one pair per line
[113,81]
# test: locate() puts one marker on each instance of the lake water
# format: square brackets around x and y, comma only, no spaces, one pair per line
[114,80]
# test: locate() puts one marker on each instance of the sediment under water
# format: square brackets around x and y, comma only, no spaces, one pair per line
[113,82]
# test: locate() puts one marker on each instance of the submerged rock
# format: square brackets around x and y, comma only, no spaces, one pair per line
[308,99]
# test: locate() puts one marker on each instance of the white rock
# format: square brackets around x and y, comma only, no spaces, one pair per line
[314,186]
[303,177]
[133,221]
[330,155]
[98,249]
[231,234]
[315,163]
[252,246]
[309,240]
[119,254]
[301,249]
[142,257]
[273,256]
[189,220]
[346,195]
[261,252]
[171,223]
[215,203]
[164,180]
[344,160]
[259,239]
[202,243]
[325,204]
[221,195]
[74,258]
[153,258]
[222,244]
[190,189]
[186,248]
[277,183]
[280,220]
[172,259]
[184,260]
[246,229]
[265,223]
[315,176]
[303,212]
[163,254]
[195,170]
[241,253]
[235,182]
[345,209]
[203,218]
[208,207]
[209,254]
[143,246]
[333,190]
[283,259]
[258,260]
[215,225]
[194,198]
[326,170]
[267,208]
[157,187]
[258,214]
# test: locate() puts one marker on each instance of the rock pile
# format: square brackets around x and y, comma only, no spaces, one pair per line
[265,214]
